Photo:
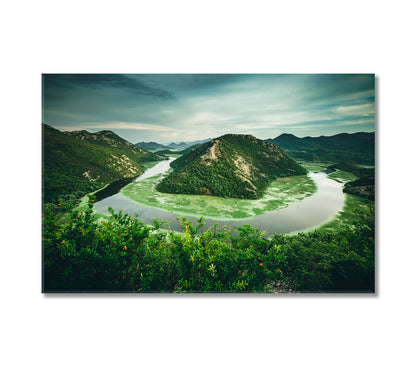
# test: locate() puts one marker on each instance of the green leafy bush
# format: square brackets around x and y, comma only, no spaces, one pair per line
[122,254]
[332,261]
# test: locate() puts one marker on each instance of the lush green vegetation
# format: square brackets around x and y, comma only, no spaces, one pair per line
[357,211]
[121,254]
[84,252]
[238,166]
[80,162]
[339,256]
[329,261]
[362,187]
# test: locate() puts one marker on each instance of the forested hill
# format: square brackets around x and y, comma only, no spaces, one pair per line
[358,147]
[230,166]
[78,162]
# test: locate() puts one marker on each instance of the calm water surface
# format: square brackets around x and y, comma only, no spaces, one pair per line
[298,216]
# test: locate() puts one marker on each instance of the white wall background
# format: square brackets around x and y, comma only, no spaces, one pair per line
[211,334]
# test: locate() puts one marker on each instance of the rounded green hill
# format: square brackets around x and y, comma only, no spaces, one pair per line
[239,166]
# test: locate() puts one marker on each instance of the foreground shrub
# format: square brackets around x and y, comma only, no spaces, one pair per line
[124,254]
[329,262]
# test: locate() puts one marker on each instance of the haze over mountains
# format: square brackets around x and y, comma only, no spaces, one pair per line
[189,144]
[153,146]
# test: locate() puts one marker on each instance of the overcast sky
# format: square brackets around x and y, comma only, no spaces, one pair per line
[177,107]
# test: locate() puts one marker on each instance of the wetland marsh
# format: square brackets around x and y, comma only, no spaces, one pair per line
[290,204]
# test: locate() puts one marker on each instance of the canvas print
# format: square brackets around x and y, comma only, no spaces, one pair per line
[208,183]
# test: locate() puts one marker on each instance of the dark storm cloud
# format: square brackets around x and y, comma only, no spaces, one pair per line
[102,81]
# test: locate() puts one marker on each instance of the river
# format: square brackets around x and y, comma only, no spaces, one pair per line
[298,216]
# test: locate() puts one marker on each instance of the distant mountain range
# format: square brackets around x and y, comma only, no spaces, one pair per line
[154,146]
[229,166]
[358,147]
[183,145]
[79,162]
[359,142]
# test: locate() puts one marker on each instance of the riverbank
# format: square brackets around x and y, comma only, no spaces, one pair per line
[152,203]
[278,196]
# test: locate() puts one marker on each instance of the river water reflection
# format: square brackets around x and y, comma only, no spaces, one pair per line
[298,216]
